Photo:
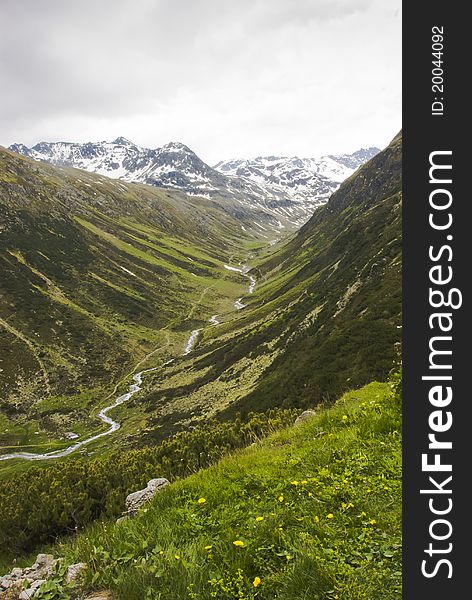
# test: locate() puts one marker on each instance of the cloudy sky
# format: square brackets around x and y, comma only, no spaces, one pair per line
[228,78]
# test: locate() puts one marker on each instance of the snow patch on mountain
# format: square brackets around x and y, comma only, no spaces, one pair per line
[277,191]
[304,180]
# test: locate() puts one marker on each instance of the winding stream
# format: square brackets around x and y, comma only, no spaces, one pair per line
[102,415]
[238,305]
[132,389]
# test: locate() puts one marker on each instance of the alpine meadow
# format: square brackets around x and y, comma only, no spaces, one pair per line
[201,300]
[207,342]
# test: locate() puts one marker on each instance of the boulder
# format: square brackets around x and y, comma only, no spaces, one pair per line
[45,560]
[34,576]
[5,582]
[306,414]
[31,591]
[135,500]
[37,584]
[74,571]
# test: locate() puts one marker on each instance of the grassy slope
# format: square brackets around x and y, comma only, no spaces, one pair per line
[323,318]
[328,492]
[73,320]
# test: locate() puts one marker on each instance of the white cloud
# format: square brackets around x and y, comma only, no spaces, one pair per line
[226,78]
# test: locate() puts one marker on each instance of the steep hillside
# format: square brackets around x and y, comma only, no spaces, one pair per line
[312,512]
[325,313]
[97,275]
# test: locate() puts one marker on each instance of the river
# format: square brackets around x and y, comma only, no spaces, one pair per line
[132,389]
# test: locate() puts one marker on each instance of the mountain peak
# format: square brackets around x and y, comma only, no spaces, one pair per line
[122,141]
[285,190]
[177,147]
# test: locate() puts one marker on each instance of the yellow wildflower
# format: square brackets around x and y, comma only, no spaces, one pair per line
[304,482]
[344,418]
[281,498]
[372,522]
[259,518]
[239,543]
[208,547]
[256,582]
[177,557]
[201,501]
[316,519]
[330,516]
[294,482]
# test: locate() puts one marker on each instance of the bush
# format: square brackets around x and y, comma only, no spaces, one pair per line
[47,501]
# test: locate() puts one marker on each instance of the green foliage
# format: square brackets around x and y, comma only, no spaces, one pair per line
[324,316]
[312,512]
[96,274]
[43,502]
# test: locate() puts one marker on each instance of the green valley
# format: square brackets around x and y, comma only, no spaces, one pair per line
[98,278]
[325,315]
[202,341]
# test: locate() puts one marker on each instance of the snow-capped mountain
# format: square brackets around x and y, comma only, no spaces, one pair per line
[277,191]
[307,180]
[173,165]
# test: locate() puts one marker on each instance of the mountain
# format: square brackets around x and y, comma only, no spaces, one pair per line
[102,279]
[174,165]
[97,274]
[101,275]
[283,191]
[309,181]
[324,316]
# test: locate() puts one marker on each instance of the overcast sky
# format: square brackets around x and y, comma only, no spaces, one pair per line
[228,78]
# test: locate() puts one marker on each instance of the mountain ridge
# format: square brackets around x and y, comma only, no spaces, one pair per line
[286,189]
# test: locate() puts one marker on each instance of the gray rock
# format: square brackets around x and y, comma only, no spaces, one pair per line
[45,560]
[74,571]
[5,582]
[135,500]
[34,576]
[306,414]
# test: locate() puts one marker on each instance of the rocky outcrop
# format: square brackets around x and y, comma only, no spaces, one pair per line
[74,572]
[135,500]
[13,584]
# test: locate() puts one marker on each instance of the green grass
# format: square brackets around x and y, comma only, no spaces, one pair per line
[89,289]
[324,316]
[315,511]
